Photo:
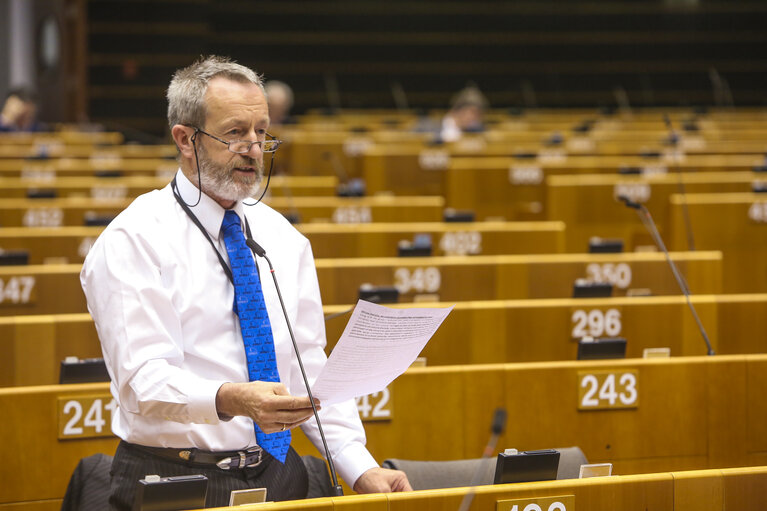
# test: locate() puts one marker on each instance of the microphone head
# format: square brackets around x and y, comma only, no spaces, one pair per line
[628,202]
[499,421]
[255,247]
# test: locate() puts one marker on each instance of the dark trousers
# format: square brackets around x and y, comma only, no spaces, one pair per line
[130,464]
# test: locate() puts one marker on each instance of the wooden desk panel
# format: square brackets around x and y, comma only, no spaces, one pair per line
[736,224]
[488,238]
[694,490]
[132,186]
[41,289]
[60,150]
[675,429]
[54,168]
[515,189]
[677,425]
[507,277]
[589,206]
[71,244]
[485,332]
[31,347]
[55,288]
[30,430]
[74,211]
[62,137]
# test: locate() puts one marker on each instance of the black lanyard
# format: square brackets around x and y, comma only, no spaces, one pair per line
[196,221]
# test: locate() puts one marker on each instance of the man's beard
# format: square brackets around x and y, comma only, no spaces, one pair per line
[223,182]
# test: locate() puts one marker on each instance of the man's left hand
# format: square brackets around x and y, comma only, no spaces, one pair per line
[382,480]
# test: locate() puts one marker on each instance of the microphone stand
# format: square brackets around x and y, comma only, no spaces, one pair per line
[499,423]
[649,223]
[674,139]
[260,252]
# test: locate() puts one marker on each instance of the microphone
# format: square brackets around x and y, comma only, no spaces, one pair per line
[260,252]
[674,140]
[498,425]
[649,223]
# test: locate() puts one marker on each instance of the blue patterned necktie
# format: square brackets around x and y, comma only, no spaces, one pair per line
[250,307]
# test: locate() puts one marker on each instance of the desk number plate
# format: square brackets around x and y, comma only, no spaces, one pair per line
[376,406]
[608,389]
[86,416]
[561,503]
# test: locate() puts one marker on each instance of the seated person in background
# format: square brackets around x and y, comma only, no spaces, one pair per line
[20,111]
[279,97]
[465,116]
[206,384]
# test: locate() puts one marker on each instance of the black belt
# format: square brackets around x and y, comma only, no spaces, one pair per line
[224,460]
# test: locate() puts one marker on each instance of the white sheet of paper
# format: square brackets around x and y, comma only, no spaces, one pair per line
[378,344]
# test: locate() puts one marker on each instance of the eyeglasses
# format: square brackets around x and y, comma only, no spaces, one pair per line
[243,146]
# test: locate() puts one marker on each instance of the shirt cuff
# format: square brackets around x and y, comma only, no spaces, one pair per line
[202,403]
[353,461]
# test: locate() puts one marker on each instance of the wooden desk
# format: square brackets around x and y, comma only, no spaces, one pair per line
[513,276]
[484,332]
[133,186]
[588,203]
[736,224]
[448,238]
[71,244]
[55,288]
[75,211]
[692,413]
[41,289]
[58,150]
[107,164]
[515,188]
[65,137]
[32,346]
[693,490]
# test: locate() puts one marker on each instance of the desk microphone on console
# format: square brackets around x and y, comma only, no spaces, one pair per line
[674,139]
[649,223]
[499,424]
[260,252]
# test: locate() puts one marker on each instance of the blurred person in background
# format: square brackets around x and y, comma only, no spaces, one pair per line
[19,111]
[466,114]
[279,97]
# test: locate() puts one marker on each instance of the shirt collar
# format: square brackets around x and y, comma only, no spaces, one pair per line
[208,211]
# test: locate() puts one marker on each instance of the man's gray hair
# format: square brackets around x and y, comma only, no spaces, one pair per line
[186,92]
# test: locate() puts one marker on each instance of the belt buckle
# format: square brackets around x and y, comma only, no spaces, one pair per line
[259,458]
[239,462]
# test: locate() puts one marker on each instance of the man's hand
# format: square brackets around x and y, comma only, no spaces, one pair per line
[382,480]
[268,404]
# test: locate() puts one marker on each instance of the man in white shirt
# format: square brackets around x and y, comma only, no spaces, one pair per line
[158,290]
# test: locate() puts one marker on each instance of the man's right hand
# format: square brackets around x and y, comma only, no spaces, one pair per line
[268,404]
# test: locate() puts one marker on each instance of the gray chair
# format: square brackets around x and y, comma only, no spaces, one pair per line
[427,475]
[89,484]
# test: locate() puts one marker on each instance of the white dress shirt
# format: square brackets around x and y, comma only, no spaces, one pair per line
[162,305]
